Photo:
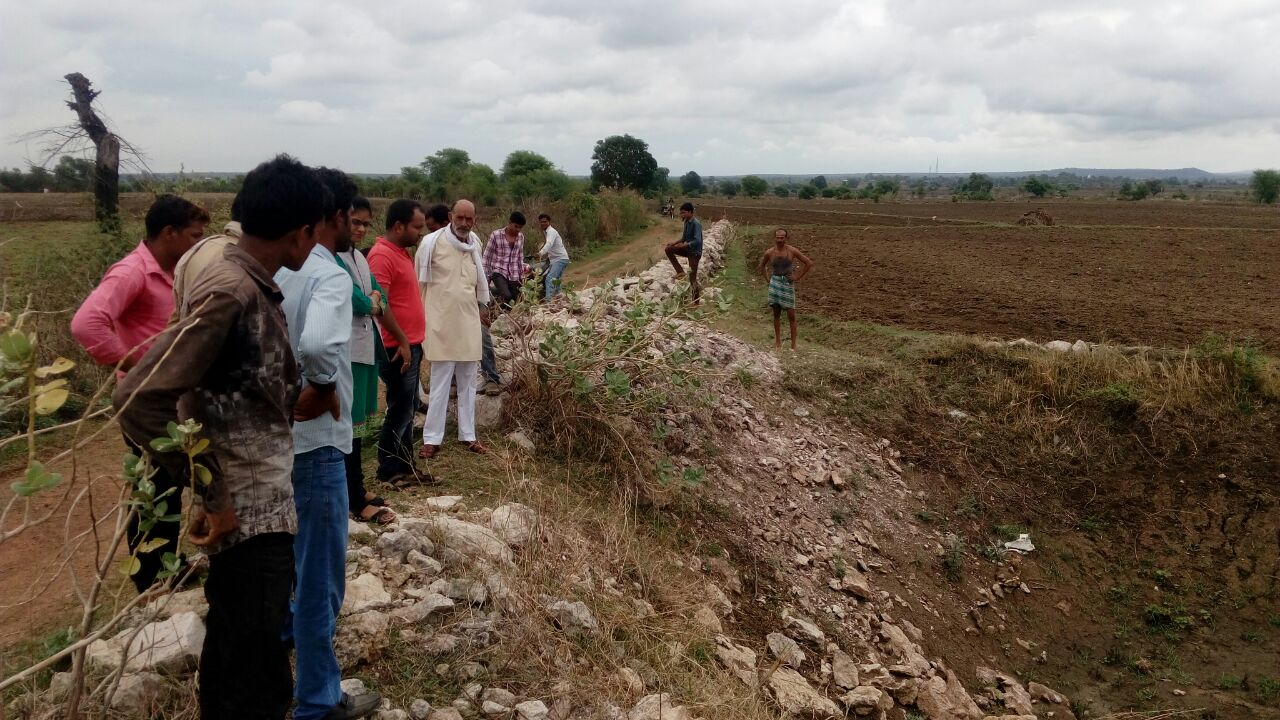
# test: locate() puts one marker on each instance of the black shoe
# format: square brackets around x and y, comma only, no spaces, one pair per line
[355,706]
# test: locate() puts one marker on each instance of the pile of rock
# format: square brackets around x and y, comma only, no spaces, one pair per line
[1035,217]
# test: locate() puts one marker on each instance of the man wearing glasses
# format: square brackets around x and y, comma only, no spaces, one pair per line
[368,303]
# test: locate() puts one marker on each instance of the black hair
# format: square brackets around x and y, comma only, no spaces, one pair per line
[175,212]
[439,213]
[544,216]
[401,211]
[282,195]
[237,206]
[517,217]
[687,206]
[342,187]
[360,202]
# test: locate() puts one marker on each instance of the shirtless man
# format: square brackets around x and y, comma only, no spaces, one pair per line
[779,267]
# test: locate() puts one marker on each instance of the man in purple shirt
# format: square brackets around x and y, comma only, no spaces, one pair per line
[504,260]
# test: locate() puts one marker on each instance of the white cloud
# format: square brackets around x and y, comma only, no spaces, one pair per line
[718,85]
[307,112]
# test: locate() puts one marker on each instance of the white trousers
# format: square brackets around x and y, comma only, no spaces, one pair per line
[443,375]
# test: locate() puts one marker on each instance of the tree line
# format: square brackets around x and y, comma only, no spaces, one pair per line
[619,162]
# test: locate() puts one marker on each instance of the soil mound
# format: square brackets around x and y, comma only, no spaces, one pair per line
[1036,217]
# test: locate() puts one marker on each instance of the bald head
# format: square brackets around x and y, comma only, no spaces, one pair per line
[464,218]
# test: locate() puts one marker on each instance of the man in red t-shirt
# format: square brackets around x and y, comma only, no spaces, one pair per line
[391,263]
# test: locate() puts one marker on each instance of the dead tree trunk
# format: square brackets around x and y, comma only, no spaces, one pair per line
[106,176]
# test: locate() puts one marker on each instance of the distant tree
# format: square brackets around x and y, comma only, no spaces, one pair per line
[808,192]
[843,192]
[447,167]
[977,186]
[479,184]
[919,188]
[1130,190]
[527,174]
[886,186]
[414,183]
[1037,186]
[781,191]
[828,192]
[691,182]
[73,174]
[977,183]
[754,185]
[819,182]
[730,188]
[524,162]
[1265,186]
[622,161]
[661,181]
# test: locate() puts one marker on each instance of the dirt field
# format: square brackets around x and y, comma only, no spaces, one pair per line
[1110,278]
[1147,213]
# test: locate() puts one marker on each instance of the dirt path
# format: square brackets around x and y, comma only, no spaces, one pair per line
[628,258]
[39,567]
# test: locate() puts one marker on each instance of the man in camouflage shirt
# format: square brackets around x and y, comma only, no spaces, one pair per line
[227,364]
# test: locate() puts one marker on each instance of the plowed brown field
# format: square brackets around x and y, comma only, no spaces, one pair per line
[1105,272]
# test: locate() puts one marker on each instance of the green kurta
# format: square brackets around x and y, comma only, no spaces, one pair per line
[364,396]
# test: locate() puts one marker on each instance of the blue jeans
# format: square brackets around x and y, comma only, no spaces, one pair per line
[551,282]
[488,361]
[395,442]
[320,556]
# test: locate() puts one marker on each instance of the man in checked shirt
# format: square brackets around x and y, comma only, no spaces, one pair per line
[504,260]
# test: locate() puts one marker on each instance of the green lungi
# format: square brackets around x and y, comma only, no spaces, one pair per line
[364,396]
[782,292]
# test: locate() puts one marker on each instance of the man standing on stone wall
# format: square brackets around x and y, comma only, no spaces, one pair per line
[455,293]
[504,260]
[688,246]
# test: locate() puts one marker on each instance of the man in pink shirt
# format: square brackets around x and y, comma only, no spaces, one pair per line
[134,301]
[118,322]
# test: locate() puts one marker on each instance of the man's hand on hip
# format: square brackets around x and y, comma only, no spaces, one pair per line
[315,401]
[208,528]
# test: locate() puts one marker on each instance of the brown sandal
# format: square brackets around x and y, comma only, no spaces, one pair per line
[428,451]
[379,517]
[477,448]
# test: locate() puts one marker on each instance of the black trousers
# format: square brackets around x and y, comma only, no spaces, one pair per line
[244,667]
[150,563]
[505,291]
[395,443]
[355,478]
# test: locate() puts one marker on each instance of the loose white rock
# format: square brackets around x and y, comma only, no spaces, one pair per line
[574,618]
[658,707]
[514,523]
[365,593]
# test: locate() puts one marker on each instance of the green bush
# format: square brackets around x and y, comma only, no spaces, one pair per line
[1265,186]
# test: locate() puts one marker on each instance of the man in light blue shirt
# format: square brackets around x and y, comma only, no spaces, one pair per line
[317,306]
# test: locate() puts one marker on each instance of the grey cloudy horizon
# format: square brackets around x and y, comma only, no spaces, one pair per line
[723,88]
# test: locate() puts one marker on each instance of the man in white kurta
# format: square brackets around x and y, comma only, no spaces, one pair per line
[454,289]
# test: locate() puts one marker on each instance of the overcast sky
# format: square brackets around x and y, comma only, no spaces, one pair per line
[721,87]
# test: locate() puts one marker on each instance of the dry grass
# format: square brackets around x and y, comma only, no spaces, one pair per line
[1075,426]
[593,545]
